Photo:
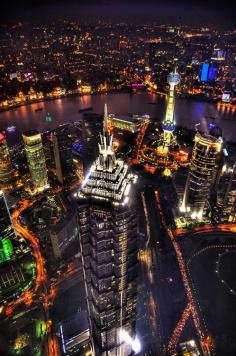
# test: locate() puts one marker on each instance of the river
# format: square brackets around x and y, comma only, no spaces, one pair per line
[187,112]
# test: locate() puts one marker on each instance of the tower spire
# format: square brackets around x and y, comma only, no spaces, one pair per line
[107,157]
[105,118]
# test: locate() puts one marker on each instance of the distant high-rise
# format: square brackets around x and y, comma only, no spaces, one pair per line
[108,235]
[36,159]
[6,173]
[208,72]
[201,173]
[7,231]
[59,155]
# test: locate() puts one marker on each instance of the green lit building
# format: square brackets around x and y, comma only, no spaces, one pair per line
[7,231]
[36,159]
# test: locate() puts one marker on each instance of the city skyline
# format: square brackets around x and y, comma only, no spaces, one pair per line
[117,179]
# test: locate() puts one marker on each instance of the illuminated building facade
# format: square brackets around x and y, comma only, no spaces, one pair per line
[168,124]
[108,236]
[227,197]
[6,173]
[79,168]
[36,159]
[201,174]
[7,232]
[208,72]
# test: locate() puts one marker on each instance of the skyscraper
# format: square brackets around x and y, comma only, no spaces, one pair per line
[7,231]
[201,173]
[59,152]
[108,236]
[6,174]
[36,159]
[227,194]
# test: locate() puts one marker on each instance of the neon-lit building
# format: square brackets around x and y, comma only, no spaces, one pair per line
[208,72]
[204,72]
[7,231]
[36,159]
[108,237]
[126,124]
[201,174]
[6,173]
[168,124]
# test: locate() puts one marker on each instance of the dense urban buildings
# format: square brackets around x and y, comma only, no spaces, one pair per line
[6,170]
[108,233]
[117,230]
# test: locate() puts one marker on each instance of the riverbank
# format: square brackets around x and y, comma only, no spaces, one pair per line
[67,95]
[119,91]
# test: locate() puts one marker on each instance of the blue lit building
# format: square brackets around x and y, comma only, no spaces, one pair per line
[204,72]
[208,72]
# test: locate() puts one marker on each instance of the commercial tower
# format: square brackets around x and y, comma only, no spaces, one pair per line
[6,173]
[36,159]
[201,174]
[108,235]
[227,194]
[168,124]
[7,231]
[59,152]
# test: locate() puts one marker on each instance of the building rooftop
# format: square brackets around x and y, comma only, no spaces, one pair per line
[30,133]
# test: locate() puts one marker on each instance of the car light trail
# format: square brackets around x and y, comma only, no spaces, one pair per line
[182,269]
[174,339]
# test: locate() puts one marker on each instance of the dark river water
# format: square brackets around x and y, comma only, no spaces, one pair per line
[188,112]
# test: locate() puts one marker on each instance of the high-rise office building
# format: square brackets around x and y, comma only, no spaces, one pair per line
[226,194]
[58,147]
[36,159]
[201,174]
[209,71]
[7,232]
[6,173]
[108,236]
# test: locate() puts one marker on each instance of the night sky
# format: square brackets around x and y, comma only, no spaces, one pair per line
[193,11]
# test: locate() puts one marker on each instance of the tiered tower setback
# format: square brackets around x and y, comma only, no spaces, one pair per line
[108,235]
